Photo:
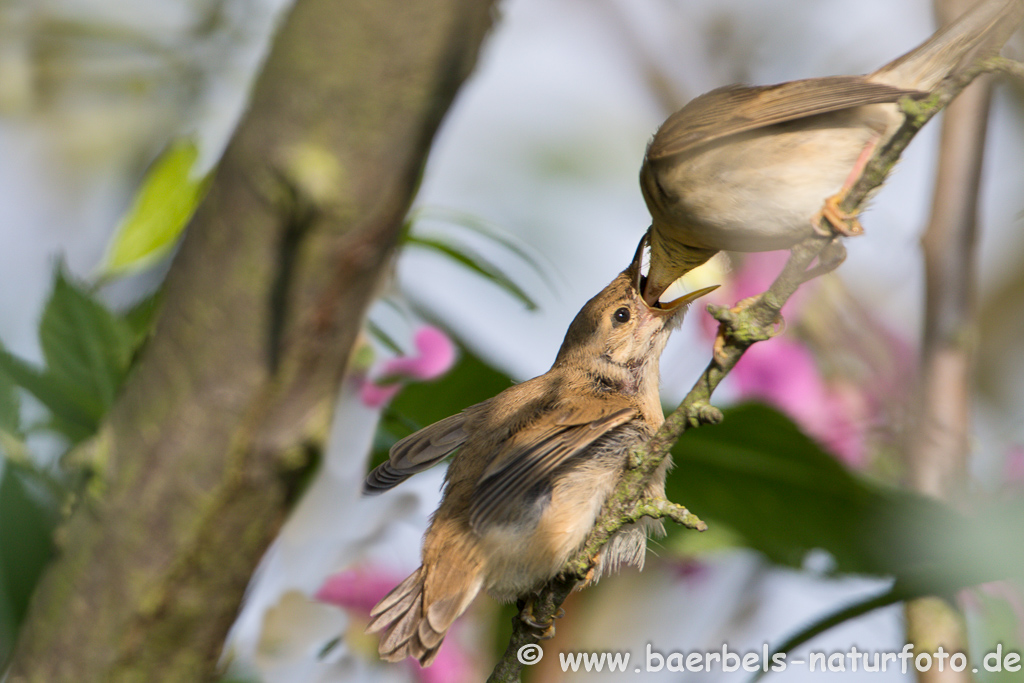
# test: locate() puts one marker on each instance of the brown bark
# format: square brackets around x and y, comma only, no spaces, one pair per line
[232,399]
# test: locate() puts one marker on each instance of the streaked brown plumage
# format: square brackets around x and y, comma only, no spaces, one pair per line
[750,168]
[532,468]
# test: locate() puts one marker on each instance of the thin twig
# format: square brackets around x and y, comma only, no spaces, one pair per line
[740,327]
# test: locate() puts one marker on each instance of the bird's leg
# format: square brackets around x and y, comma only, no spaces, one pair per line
[844,222]
[543,630]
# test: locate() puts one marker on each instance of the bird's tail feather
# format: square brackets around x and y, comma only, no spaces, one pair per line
[980,32]
[414,625]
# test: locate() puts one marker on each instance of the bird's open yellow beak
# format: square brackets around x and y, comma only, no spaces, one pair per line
[683,301]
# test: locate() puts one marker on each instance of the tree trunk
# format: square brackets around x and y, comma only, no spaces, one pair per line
[229,405]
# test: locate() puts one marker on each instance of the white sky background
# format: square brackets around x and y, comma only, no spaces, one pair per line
[545,141]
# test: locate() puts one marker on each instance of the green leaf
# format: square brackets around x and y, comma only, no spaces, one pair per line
[28,516]
[12,444]
[378,333]
[476,263]
[10,405]
[960,550]
[775,487]
[8,623]
[493,233]
[75,413]
[162,208]
[85,345]
[87,350]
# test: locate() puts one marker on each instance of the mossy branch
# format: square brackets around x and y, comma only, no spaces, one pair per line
[740,327]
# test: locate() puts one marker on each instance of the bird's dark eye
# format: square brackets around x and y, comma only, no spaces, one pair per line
[621,315]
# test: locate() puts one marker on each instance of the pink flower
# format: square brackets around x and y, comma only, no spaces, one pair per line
[435,356]
[359,591]
[452,665]
[783,373]
[356,590]
[375,396]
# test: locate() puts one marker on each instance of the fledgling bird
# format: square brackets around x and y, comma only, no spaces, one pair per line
[751,168]
[533,467]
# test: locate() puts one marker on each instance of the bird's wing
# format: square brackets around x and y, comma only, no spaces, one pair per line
[533,453]
[738,108]
[418,451]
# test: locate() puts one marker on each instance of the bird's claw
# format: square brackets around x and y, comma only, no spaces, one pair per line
[841,222]
[718,350]
[707,414]
[592,571]
[540,629]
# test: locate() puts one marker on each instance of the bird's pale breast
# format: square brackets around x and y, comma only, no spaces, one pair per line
[759,190]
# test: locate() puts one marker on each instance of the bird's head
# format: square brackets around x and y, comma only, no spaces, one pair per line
[619,328]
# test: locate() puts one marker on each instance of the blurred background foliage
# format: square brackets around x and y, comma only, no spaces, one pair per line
[131,95]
